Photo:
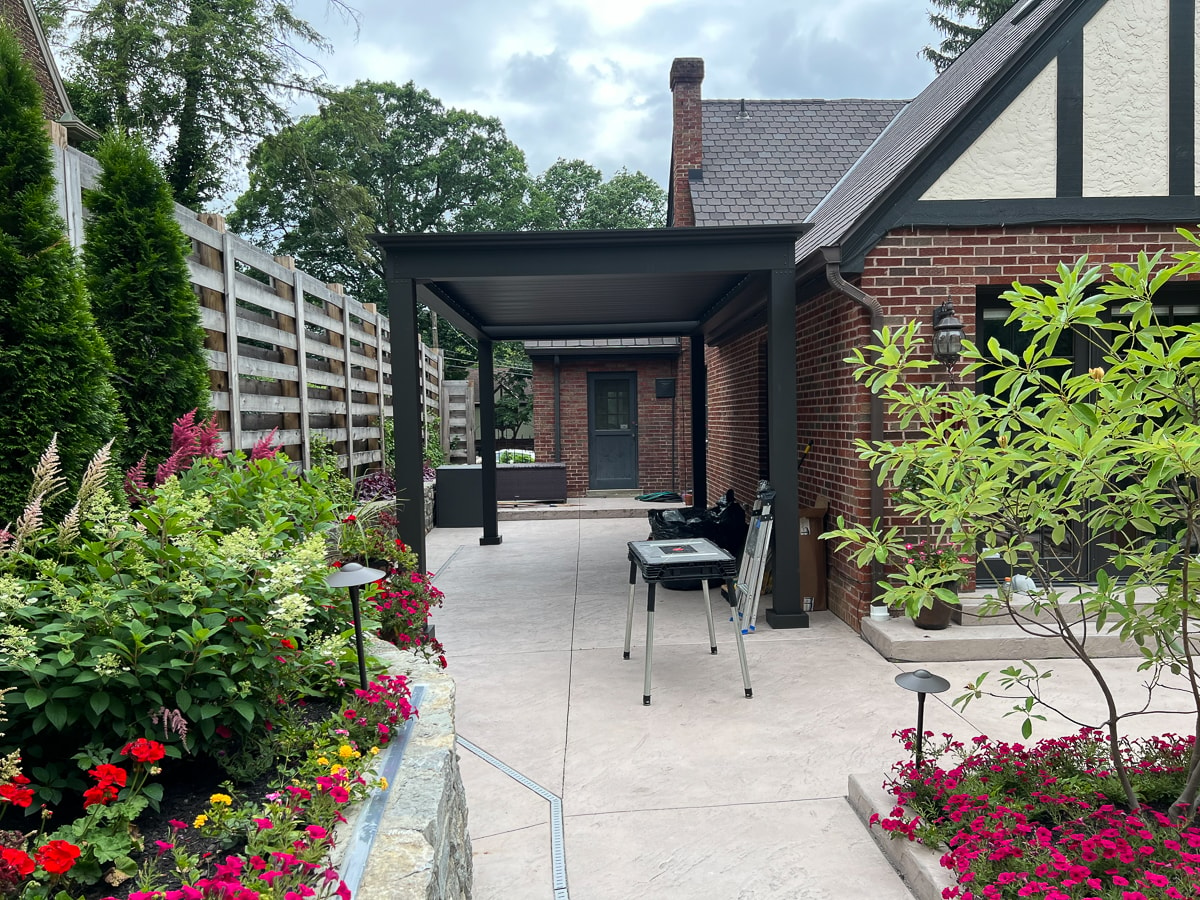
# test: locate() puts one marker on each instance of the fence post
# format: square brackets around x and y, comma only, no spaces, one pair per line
[293,290]
[229,264]
[378,326]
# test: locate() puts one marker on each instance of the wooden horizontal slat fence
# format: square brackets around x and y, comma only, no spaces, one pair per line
[285,351]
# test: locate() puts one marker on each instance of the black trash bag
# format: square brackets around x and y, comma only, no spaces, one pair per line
[724,524]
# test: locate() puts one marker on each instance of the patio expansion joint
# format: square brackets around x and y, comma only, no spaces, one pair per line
[743,804]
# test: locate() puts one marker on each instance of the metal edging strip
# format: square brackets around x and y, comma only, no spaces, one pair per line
[367,824]
[558,856]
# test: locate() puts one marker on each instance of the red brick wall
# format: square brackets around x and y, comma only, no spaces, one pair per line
[910,272]
[659,467]
[737,449]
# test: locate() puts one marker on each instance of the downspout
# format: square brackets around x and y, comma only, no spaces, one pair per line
[833,274]
[557,409]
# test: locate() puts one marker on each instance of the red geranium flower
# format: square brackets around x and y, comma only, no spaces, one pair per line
[17,796]
[18,859]
[145,750]
[109,774]
[56,857]
[100,794]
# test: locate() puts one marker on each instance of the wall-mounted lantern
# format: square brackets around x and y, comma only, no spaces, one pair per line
[947,335]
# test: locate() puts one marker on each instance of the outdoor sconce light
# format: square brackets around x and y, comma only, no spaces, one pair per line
[921,682]
[947,335]
[355,575]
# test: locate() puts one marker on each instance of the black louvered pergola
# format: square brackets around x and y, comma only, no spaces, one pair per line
[570,285]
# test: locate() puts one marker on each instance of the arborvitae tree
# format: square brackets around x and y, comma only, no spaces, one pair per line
[136,262]
[973,18]
[54,365]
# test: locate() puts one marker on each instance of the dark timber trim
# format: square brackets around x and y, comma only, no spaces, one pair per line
[487,442]
[1053,211]
[1070,119]
[699,423]
[409,461]
[1181,49]
[784,451]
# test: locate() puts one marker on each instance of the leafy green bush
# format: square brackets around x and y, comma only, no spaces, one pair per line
[205,607]
[54,365]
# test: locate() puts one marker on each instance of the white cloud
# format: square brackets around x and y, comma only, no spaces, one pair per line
[588,78]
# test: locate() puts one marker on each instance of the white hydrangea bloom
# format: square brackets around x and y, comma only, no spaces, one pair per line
[292,611]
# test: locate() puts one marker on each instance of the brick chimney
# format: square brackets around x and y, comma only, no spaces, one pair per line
[687,138]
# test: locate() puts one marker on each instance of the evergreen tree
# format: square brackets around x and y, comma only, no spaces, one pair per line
[54,365]
[137,276]
[962,22]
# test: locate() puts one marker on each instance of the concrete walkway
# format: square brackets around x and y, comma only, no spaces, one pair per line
[705,794]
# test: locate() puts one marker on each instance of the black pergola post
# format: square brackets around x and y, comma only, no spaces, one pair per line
[781,442]
[487,441]
[699,412]
[406,410]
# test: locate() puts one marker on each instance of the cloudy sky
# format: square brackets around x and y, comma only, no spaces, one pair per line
[588,79]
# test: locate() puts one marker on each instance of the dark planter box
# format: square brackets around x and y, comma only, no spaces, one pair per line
[460,488]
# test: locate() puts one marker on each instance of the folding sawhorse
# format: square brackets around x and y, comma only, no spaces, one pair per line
[682,560]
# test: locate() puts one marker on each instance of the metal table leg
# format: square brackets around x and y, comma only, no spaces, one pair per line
[629,612]
[741,644]
[712,631]
[649,641]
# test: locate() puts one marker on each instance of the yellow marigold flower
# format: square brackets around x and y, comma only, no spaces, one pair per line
[337,770]
[321,760]
[382,783]
[223,799]
[199,821]
[374,751]
[357,754]
[345,751]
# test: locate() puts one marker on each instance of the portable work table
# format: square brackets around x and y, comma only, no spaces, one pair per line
[682,560]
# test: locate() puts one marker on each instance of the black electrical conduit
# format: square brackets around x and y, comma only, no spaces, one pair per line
[833,273]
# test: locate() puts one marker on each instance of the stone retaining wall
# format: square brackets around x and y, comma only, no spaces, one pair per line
[421,849]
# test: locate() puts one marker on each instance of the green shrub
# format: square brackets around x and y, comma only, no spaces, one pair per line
[207,603]
[54,366]
[136,262]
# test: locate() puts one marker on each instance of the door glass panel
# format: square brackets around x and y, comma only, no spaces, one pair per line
[612,404]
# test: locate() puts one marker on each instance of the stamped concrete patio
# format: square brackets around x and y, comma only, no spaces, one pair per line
[705,794]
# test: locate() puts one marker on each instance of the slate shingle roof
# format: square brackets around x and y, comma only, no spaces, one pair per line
[916,132]
[776,162]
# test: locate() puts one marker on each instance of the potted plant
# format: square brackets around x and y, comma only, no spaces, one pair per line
[940,568]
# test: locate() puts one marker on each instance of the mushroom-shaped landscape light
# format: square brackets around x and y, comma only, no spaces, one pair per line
[353,576]
[921,682]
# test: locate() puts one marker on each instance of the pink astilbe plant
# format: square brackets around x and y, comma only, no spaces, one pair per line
[264,449]
[190,440]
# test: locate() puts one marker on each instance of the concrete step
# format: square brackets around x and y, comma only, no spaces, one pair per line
[971,603]
[899,640]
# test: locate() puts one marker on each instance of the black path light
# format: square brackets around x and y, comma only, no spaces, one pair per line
[921,682]
[947,335]
[355,575]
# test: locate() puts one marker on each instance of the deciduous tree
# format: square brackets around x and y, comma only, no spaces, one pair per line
[1110,455]
[200,80]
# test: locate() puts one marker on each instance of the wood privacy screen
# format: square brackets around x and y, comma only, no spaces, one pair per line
[285,351]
